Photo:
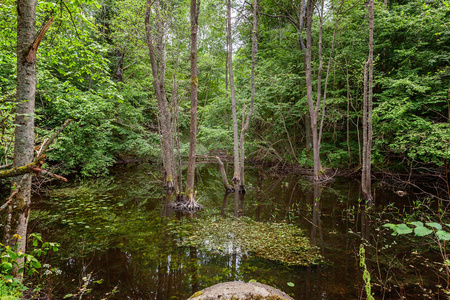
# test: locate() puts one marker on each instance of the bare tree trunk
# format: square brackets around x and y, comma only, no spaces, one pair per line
[308,133]
[367,112]
[18,212]
[309,91]
[320,103]
[252,101]
[158,62]
[236,174]
[195,7]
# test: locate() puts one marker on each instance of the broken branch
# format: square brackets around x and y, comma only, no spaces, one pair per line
[33,49]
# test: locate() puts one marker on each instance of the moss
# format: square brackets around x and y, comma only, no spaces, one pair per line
[199,293]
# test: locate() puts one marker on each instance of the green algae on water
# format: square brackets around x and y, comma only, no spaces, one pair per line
[280,242]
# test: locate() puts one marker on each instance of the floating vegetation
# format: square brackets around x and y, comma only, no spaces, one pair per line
[280,242]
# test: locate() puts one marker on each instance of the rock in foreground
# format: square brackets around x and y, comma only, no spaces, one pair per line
[239,290]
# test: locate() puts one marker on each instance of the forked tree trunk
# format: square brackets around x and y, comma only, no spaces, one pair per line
[236,174]
[18,212]
[157,61]
[320,103]
[252,101]
[367,113]
[195,7]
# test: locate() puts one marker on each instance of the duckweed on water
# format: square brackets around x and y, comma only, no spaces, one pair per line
[279,242]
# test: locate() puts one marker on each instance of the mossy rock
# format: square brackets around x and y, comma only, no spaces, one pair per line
[238,290]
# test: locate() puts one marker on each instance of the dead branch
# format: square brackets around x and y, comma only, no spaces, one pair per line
[59,177]
[227,186]
[33,49]
[32,167]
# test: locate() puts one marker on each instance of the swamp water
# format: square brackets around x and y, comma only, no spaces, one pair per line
[113,233]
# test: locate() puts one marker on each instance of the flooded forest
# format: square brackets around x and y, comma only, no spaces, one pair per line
[163,149]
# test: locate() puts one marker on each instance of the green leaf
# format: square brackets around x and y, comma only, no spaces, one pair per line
[35,263]
[390,225]
[403,229]
[291,284]
[443,235]
[67,296]
[252,280]
[6,266]
[422,231]
[435,225]
[417,223]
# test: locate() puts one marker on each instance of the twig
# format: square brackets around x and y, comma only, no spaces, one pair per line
[44,172]
[13,194]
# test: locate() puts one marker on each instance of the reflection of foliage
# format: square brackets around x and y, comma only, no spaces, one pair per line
[274,241]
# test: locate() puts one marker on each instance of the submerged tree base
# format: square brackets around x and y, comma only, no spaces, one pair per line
[280,242]
[185,204]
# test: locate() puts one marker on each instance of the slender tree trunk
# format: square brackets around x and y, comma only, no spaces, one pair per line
[367,112]
[18,212]
[195,7]
[158,62]
[236,175]
[252,101]
[308,134]
[119,71]
[309,91]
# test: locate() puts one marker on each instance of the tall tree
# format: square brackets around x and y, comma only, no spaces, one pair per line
[27,45]
[313,111]
[194,12]
[237,171]
[24,132]
[252,101]
[367,112]
[319,107]
[158,64]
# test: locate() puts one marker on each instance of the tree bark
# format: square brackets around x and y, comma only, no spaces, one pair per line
[24,133]
[157,61]
[195,7]
[309,91]
[236,175]
[227,186]
[367,112]
[252,101]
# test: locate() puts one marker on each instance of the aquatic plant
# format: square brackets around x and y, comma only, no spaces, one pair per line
[281,242]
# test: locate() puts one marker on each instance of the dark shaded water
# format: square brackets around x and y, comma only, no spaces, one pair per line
[113,233]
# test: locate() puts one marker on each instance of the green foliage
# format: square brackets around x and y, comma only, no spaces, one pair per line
[420,229]
[11,287]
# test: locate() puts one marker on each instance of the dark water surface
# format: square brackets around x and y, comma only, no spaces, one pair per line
[113,233]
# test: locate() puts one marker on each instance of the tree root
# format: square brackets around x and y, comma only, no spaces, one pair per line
[183,204]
